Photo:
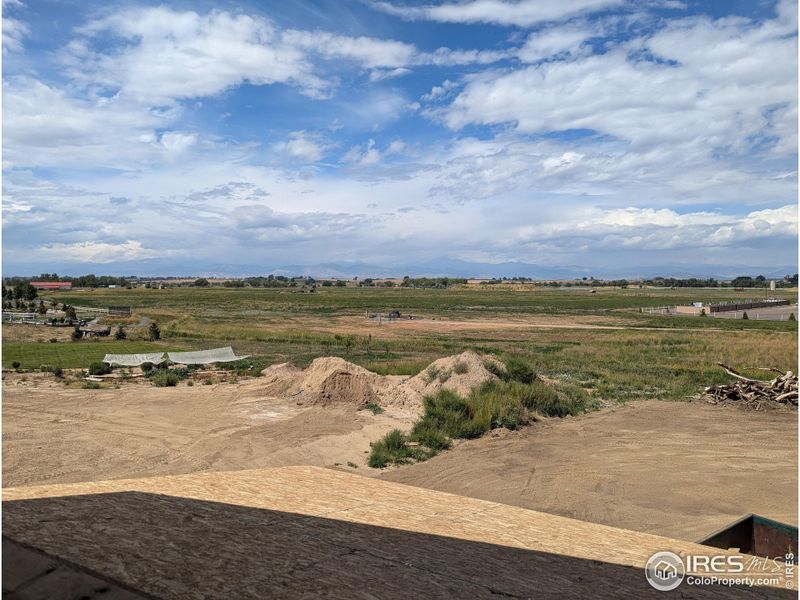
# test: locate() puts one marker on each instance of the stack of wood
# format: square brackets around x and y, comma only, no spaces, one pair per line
[755,393]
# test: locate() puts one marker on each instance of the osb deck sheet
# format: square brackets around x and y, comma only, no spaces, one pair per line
[310,532]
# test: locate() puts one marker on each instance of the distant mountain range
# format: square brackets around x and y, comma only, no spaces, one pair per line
[439,267]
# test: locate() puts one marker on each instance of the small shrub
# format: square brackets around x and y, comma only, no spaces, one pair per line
[53,341]
[99,368]
[91,385]
[351,464]
[165,379]
[373,408]
[792,317]
[15,365]
[76,334]
[190,383]
[57,372]
[154,332]
[120,334]
[430,374]
[45,368]
[180,372]
[208,381]
[744,316]
[460,367]
[392,448]
[147,367]
[444,376]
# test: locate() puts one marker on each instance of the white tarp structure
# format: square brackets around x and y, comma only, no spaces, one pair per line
[134,360]
[204,357]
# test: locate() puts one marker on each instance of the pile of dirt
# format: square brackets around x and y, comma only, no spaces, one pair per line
[458,374]
[334,381]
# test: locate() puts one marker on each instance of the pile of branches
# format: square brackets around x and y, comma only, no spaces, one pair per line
[755,393]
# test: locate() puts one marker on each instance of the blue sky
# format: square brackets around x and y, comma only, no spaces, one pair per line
[236,138]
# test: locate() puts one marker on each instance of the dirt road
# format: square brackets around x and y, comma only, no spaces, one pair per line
[670,468]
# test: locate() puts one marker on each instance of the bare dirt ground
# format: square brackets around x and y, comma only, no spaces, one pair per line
[15,332]
[671,468]
[676,469]
[57,435]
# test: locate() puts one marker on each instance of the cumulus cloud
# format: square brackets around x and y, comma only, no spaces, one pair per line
[580,138]
[722,80]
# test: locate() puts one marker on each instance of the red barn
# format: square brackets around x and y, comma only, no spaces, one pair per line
[52,285]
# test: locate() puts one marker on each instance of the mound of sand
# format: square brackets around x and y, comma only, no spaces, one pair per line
[334,381]
[459,373]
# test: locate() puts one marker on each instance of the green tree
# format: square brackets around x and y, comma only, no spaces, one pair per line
[120,334]
[201,282]
[154,333]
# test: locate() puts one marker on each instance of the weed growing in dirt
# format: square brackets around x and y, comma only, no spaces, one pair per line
[460,367]
[393,448]
[373,408]
[496,404]
[430,374]
[165,379]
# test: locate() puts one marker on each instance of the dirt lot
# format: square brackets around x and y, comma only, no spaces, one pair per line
[670,468]
[57,435]
[675,469]
[16,332]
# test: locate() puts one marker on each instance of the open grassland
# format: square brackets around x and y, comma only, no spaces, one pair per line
[456,302]
[598,341]
[70,354]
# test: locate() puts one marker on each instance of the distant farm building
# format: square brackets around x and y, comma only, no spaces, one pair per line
[698,308]
[52,285]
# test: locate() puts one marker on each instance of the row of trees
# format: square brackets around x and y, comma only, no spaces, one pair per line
[743,281]
[89,281]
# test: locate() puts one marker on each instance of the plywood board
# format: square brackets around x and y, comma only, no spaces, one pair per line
[310,532]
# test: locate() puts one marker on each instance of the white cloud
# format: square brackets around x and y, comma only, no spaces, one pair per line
[554,41]
[43,126]
[97,252]
[14,32]
[176,143]
[172,55]
[381,74]
[499,12]
[602,231]
[368,52]
[725,88]
[301,145]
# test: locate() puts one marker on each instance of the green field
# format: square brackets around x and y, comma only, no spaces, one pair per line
[644,356]
[32,355]
[452,302]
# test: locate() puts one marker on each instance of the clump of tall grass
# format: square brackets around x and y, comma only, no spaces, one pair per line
[393,448]
[508,404]
[164,378]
